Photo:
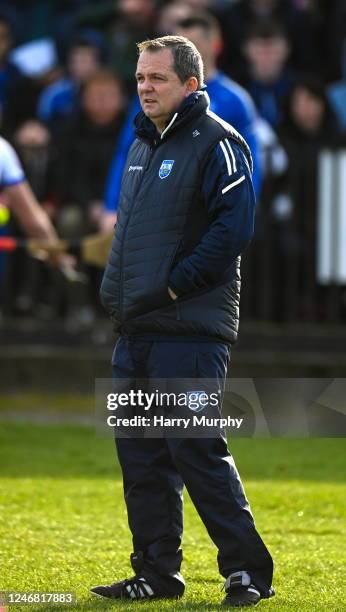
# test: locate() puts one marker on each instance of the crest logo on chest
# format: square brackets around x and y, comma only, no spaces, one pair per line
[166,168]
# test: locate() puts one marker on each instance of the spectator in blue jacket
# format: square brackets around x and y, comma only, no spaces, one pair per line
[269,79]
[227,99]
[62,98]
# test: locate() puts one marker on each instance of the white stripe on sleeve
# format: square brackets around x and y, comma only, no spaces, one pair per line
[234,184]
[232,155]
[228,161]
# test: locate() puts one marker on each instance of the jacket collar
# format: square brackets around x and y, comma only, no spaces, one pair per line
[191,107]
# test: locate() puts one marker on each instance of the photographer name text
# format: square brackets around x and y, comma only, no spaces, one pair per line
[161,421]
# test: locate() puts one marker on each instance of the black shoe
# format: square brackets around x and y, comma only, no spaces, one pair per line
[136,587]
[241,592]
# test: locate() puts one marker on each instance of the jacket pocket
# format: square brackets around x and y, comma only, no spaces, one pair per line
[180,301]
[150,291]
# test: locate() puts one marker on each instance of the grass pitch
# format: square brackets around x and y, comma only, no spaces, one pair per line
[64,524]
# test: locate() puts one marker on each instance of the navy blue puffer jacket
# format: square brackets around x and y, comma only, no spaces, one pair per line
[186,213]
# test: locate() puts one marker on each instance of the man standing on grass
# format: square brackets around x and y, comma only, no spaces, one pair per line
[172,288]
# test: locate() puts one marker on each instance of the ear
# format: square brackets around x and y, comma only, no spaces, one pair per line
[191,86]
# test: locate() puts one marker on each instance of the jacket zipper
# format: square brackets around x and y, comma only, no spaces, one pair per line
[124,234]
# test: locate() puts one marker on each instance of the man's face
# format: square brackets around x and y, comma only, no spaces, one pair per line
[83,62]
[267,57]
[159,87]
[103,102]
[307,110]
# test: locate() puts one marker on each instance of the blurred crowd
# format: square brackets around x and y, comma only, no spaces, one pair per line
[67,100]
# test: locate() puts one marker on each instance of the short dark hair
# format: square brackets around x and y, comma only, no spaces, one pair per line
[203,20]
[265,29]
[187,60]
[91,39]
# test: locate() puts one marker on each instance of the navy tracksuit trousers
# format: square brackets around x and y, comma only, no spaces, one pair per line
[155,470]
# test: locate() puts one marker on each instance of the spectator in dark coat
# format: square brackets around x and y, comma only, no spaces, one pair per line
[269,79]
[307,116]
[308,126]
[61,99]
[86,147]
[303,30]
